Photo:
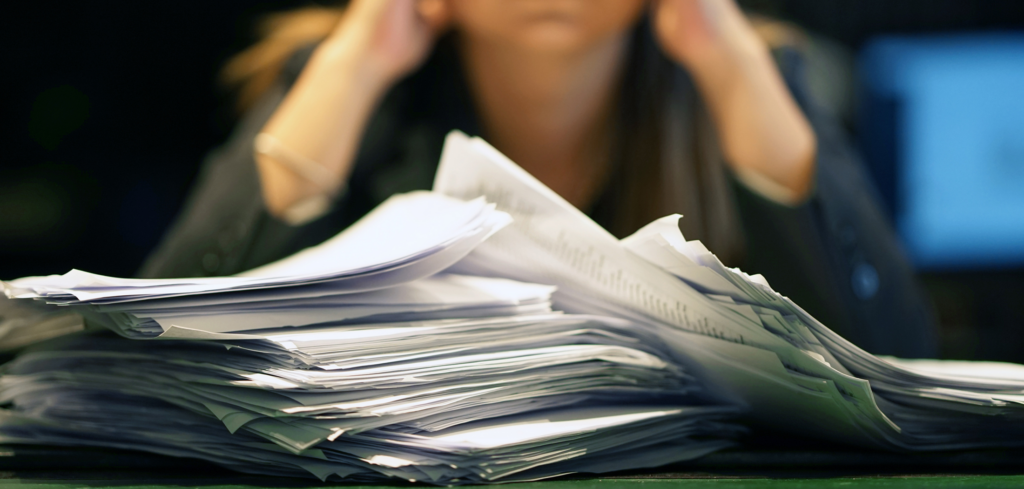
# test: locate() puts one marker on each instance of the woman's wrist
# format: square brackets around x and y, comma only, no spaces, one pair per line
[321,120]
[762,129]
[323,116]
[738,62]
[339,59]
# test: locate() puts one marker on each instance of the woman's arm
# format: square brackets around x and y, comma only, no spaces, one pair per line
[229,209]
[835,253]
[764,135]
[215,229]
[322,118]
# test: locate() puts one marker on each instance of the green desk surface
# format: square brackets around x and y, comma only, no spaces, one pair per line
[929,481]
[59,468]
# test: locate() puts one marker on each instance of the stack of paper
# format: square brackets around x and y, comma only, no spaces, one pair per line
[449,401]
[756,346]
[417,345]
[357,360]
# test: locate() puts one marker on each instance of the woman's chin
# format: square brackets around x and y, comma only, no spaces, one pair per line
[554,38]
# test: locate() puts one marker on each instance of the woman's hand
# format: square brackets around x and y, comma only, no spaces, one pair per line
[709,36]
[322,118]
[764,135]
[387,39]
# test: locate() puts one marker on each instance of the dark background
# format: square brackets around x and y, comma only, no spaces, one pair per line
[108,108]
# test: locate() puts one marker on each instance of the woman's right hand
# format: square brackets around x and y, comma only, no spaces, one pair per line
[322,118]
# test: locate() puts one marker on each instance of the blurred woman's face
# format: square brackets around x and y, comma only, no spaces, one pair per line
[557,26]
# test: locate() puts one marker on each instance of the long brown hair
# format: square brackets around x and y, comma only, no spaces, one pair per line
[667,158]
[253,71]
[665,155]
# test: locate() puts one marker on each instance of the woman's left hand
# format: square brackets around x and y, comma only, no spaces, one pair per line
[709,37]
[763,132]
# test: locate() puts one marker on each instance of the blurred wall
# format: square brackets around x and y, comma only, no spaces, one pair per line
[107,109]
[852,22]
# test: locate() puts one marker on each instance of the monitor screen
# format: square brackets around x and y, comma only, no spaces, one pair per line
[954,174]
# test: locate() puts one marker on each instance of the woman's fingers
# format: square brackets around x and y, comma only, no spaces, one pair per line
[390,37]
[361,15]
[435,13]
[698,32]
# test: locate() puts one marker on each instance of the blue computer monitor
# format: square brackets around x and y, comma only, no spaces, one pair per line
[943,126]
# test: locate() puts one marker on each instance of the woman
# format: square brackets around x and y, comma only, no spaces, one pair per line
[627,108]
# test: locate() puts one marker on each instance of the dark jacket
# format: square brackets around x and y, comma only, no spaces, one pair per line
[835,255]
